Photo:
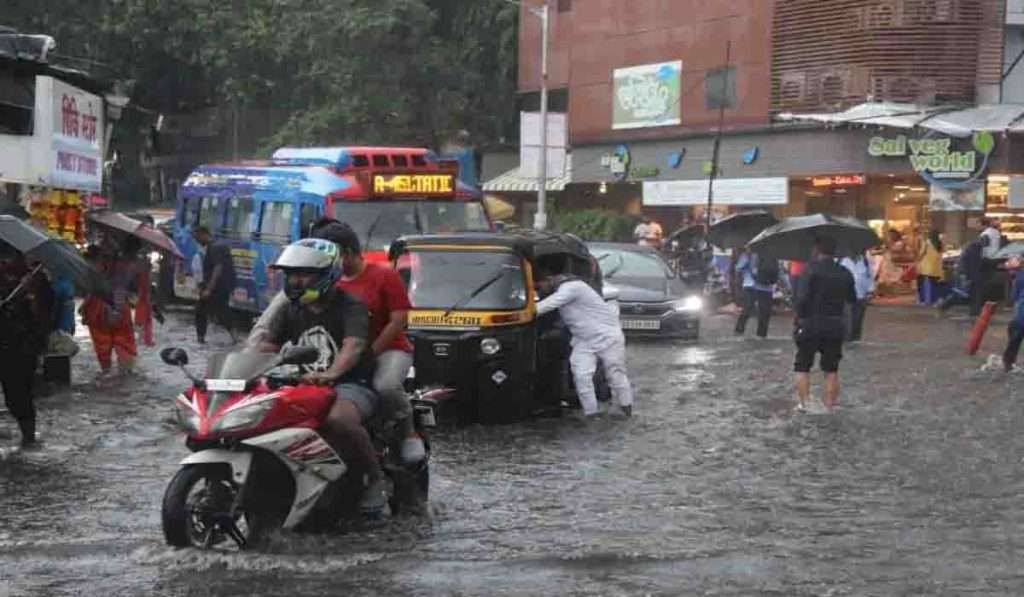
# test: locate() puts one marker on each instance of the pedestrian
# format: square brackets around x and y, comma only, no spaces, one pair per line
[759,278]
[217,285]
[975,269]
[825,289]
[596,336]
[930,273]
[142,302]
[864,283]
[26,316]
[648,233]
[1015,330]
[964,275]
[109,317]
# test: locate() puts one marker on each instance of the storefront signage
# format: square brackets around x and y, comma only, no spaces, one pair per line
[941,161]
[728,191]
[647,96]
[77,140]
[618,162]
[839,181]
[644,172]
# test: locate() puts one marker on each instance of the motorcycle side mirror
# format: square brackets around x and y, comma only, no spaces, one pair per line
[300,355]
[174,356]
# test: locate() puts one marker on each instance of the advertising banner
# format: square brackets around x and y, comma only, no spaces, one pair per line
[647,96]
[76,160]
[728,191]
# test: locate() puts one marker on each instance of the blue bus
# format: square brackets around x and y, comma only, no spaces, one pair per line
[258,207]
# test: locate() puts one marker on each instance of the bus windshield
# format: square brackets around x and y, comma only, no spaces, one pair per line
[443,279]
[379,223]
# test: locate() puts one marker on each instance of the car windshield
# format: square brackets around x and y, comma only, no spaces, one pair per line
[379,223]
[630,264]
[239,365]
[443,279]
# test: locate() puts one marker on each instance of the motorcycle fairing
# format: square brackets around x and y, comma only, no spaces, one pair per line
[312,461]
[239,461]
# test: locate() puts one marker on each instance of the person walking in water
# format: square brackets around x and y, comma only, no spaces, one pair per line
[864,282]
[759,278]
[1015,331]
[824,290]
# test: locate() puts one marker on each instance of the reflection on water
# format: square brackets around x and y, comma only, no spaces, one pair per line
[715,487]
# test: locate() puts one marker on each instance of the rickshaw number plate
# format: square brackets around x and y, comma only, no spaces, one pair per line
[641,324]
[442,350]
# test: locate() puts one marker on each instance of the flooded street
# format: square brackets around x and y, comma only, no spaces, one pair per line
[713,488]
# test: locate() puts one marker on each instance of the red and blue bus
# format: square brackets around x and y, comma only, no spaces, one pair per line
[258,207]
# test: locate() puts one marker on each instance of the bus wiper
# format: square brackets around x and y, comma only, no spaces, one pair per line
[479,289]
[373,226]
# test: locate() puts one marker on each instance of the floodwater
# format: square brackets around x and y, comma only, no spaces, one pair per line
[714,487]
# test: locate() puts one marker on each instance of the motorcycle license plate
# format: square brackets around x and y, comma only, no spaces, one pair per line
[641,324]
[225,385]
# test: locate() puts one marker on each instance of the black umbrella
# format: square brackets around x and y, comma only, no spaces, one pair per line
[735,231]
[59,257]
[685,236]
[793,238]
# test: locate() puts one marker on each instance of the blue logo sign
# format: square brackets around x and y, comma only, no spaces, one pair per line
[750,155]
[675,159]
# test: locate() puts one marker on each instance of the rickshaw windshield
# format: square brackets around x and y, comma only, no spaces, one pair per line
[440,279]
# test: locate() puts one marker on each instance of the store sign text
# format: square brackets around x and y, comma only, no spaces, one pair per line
[938,160]
[74,163]
[839,181]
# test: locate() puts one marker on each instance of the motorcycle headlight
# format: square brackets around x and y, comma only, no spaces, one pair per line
[186,414]
[490,346]
[690,304]
[244,414]
[154,257]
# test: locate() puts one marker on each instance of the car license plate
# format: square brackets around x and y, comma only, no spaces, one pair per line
[641,324]
[225,385]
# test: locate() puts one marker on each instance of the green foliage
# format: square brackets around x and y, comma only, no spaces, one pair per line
[367,71]
[596,225]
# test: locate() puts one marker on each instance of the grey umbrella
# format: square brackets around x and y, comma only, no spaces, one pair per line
[793,238]
[735,231]
[59,257]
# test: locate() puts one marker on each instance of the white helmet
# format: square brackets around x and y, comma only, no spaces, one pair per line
[310,255]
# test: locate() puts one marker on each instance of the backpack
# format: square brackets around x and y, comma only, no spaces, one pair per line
[767,273]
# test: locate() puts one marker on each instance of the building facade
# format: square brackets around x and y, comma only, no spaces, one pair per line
[649,84]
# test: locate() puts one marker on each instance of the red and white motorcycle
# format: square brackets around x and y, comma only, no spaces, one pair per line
[259,460]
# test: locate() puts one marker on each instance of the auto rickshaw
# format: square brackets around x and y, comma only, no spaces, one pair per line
[478,341]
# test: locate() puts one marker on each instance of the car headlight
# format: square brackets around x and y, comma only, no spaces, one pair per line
[244,414]
[689,304]
[186,414]
[490,346]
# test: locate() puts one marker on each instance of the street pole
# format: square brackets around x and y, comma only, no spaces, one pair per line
[718,137]
[540,220]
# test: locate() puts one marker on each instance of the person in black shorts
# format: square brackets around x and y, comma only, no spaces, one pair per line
[825,288]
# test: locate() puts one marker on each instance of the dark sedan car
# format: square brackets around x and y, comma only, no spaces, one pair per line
[652,300]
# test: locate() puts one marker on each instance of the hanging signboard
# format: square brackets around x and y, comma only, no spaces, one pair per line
[944,199]
[842,180]
[728,191]
[76,142]
[647,96]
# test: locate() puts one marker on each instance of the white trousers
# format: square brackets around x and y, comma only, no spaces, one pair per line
[584,361]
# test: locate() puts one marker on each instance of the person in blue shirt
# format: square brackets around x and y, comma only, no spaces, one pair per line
[864,283]
[64,292]
[1015,331]
[759,277]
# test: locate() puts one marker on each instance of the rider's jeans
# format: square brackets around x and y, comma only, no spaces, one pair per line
[389,379]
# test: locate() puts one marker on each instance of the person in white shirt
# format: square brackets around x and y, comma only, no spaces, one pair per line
[864,284]
[994,236]
[596,335]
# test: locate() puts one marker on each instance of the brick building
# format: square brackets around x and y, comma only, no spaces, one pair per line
[644,84]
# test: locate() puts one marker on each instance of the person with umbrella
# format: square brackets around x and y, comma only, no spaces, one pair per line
[26,316]
[109,317]
[822,294]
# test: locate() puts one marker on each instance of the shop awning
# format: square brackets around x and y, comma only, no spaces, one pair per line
[952,121]
[513,181]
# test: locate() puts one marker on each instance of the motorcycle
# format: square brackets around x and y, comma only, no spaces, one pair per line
[260,462]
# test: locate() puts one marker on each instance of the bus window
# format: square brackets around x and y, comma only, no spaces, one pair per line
[307,216]
[381,161]
[452,216]
[360,160]
[277,222]
[239,223]
[208,213]
[417,160]
[378,223]
[400,161]
[189,212]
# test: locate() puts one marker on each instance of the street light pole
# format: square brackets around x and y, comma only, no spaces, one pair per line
[540,219]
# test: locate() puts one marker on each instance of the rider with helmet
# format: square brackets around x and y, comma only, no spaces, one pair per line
[322,316]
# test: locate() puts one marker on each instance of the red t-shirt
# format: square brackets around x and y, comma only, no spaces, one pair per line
[381,288]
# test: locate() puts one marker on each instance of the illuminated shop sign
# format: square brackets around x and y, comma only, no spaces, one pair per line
[839,181]
[414,184]
[941,161]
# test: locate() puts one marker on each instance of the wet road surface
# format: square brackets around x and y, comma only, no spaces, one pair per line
[713,488]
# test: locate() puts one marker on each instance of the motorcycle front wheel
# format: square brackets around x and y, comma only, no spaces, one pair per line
[197,510]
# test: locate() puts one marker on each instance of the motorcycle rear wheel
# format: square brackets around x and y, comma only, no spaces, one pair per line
[196,509]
